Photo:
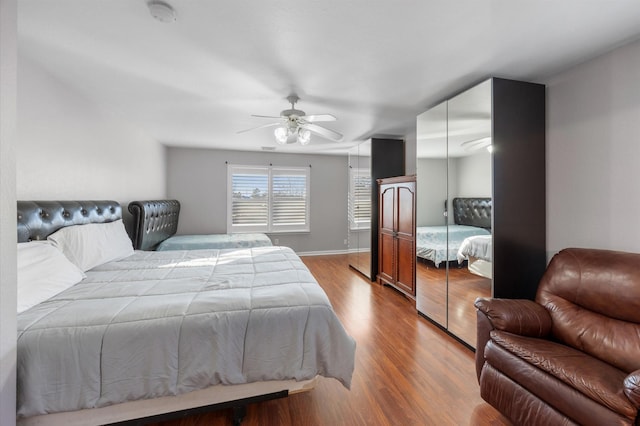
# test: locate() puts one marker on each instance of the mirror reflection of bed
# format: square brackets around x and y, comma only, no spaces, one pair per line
[454,265]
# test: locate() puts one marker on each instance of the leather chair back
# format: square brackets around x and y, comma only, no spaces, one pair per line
[593,297]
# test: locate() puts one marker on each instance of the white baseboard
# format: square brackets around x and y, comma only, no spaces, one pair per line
[321,253]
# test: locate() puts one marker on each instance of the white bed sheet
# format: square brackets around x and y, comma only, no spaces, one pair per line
[478,246]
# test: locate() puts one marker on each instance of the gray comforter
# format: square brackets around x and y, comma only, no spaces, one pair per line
[165,323]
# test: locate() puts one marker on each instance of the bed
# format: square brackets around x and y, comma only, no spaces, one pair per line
[147,333]
[437,244]
[477,252]
[155,223]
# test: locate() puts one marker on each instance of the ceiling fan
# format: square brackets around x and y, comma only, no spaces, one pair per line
[295,125]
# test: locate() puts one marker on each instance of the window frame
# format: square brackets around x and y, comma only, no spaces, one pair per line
[271,200]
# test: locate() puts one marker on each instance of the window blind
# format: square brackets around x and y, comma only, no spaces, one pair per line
[268,199]
[360,198]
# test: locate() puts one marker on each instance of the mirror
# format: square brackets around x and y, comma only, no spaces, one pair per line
[453,161]
[359,207]
[470,176]
[431,220]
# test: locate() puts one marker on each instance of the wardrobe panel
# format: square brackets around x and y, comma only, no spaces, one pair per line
[519,208]
[468,151]
[431,211]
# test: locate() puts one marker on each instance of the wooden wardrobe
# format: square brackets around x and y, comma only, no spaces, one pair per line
[397,233]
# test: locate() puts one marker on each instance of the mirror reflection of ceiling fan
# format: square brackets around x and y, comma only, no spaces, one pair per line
[295,125]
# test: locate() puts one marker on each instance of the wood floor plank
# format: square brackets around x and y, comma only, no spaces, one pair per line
[407,371]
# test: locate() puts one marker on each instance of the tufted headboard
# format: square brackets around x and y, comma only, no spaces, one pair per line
[472,212]
[153,222]
[39,219]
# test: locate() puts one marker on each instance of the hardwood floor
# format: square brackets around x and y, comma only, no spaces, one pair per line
[407,372]
[462,288]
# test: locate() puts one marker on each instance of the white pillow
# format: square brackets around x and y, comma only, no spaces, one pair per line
[88,246]
[43,271]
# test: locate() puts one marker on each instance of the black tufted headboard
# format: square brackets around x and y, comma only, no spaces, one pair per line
[472,212]
[153,222]
[39,219]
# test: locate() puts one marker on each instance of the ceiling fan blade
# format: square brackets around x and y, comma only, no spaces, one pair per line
[319,117]
[260,127]
[322,131]
[266,116]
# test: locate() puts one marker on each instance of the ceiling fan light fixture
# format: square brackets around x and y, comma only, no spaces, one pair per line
[295,126]
[281,134]
[304,136]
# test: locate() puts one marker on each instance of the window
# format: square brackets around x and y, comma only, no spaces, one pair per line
[267,199]
[359,198]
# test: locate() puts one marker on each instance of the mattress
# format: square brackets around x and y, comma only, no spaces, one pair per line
[214,241]
[480,267]
[165,323]
[441,243]
[477,246]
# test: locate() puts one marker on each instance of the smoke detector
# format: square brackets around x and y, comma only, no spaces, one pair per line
[162,11]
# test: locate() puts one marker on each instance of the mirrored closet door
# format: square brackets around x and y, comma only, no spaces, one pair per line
[359,208]
[431,213]
[467,207]
[469,197]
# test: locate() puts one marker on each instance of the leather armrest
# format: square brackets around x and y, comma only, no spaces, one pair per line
[518,316]
[632,387]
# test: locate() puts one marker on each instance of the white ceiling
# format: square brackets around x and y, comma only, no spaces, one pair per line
[373,64]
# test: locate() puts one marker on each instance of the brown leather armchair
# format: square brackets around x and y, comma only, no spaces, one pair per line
[572,356]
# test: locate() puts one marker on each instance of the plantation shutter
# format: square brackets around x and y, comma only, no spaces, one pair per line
[290,200]
[250,199]
[268,199]
[360,199]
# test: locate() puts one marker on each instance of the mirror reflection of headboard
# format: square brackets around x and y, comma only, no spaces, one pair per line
[472,212]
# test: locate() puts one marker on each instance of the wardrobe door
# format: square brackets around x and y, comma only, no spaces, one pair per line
[469,146]
[405,237]
[397,233]
[359,208]
[431,200]
[387,242]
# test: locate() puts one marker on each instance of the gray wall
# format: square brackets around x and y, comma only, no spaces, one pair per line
[8,112]
[72,149]
[473,175]
[198,179]
[593,152]
[431,183]
[410,145]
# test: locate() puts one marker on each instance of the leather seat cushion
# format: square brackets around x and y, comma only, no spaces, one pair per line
[591,377]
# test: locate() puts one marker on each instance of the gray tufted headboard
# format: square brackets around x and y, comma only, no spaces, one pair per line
[153,222]
[472,212]
[39,219]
